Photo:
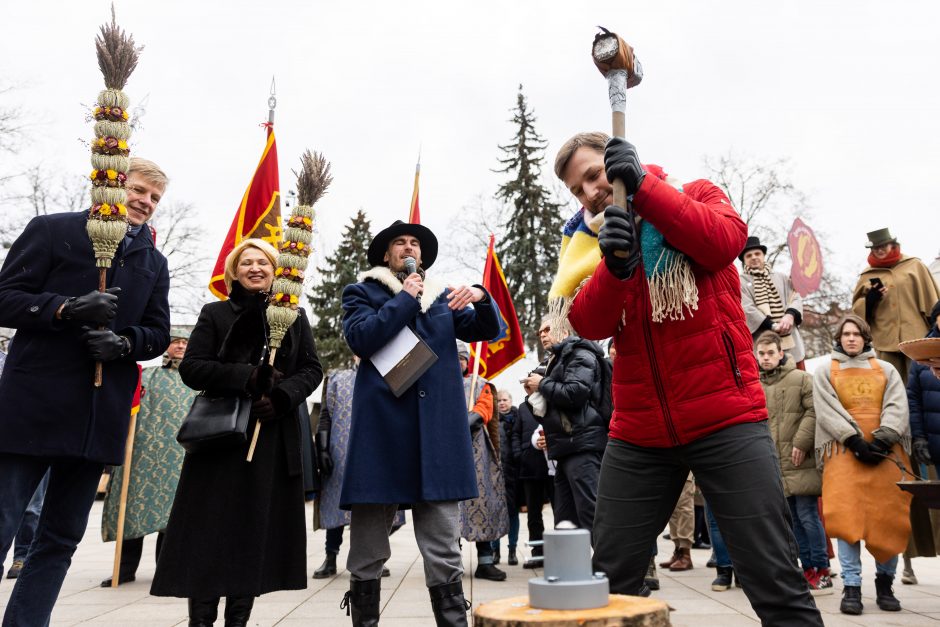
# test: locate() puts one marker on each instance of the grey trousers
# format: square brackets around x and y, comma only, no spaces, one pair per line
[436,531]
[739,473]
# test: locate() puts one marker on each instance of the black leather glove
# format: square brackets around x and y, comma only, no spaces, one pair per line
[618,235]
[105,345]
[97,307]
[324,459]
[263,409]
[921,451]
[622,162]
[862,450]
[475,420]
[261,380]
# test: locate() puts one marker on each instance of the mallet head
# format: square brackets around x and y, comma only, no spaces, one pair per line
[610,52]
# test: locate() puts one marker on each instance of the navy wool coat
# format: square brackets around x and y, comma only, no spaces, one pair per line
[49,406]
[923,397]
[417,447]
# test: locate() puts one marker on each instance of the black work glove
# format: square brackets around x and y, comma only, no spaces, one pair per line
[618,235]
[105,345]
[97,307]
[622,162]
[921,451]
[880,446]
[862,450]
[261,380]
[324,459]
[263,409]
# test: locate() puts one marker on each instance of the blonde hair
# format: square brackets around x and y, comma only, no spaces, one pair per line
[596,141]
[231,261]
[149,170]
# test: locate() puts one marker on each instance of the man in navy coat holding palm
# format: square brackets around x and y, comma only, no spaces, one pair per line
[413,450]
[52,418]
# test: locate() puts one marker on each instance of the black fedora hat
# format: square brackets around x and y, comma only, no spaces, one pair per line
[753,243]
[380,242]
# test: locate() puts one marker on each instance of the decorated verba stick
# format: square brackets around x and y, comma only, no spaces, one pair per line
[312,181]
[110,153]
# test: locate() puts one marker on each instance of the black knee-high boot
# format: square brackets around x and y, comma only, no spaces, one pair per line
[238,611]
[449,605]
[362,602]
[203,612]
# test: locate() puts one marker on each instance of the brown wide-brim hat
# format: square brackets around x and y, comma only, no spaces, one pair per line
[380,242]
[753,243]
[879,238]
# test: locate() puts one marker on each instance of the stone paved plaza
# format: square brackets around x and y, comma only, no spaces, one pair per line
[405,599]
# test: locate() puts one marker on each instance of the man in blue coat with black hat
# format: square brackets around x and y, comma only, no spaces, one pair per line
[412,450]
[52,417]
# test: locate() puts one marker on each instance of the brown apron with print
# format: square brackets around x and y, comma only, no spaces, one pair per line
[862,502]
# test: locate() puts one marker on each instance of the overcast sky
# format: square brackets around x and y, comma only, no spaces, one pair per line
[846,90]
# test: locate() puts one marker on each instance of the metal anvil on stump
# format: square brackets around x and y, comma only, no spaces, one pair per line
[570,594]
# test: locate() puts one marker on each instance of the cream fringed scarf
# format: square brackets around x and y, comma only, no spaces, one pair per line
[671,282]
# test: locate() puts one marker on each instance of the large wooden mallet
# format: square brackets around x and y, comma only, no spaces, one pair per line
[615,59]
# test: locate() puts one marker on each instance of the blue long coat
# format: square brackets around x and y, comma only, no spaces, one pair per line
[923,397]
[48,404]
[414,448]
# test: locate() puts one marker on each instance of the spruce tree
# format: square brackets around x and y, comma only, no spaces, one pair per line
[528,251]
[340,269]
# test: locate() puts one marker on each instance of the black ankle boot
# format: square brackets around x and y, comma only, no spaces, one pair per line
[496,557]
[449,605]
[203,612]
[851,600]
[512,560]
[885,598]
[724,579]
[327,568]
[362,602]
[238,611]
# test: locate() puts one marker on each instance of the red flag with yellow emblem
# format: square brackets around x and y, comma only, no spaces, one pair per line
[258,215]
[508,347]
[807,268]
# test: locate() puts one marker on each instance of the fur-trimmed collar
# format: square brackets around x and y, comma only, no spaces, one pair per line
[433,288]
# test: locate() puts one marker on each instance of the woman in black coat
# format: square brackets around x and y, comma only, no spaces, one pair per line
[237,528]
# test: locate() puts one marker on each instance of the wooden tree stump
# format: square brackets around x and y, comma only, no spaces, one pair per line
[622,611]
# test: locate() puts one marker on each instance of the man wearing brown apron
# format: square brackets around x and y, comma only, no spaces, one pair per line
[862,420]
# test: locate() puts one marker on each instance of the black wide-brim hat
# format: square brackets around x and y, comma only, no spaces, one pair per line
[380,242]
[753,243]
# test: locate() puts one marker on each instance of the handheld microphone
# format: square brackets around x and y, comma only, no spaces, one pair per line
[411,266]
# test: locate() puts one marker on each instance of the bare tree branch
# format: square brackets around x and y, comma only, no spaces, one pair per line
[768,202]
[179,238]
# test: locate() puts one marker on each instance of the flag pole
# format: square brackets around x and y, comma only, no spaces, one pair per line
[122,504]
[479,345]
[414,213]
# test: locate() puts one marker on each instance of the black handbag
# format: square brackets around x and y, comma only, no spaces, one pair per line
[215,422]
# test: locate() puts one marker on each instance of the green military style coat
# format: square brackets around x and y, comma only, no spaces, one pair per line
[156,460]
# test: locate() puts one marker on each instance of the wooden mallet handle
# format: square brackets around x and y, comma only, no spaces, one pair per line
[615,60]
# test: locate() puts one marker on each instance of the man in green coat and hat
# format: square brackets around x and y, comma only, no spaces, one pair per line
[155,462]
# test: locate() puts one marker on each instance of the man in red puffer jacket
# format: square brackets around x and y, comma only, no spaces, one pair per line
[685,385]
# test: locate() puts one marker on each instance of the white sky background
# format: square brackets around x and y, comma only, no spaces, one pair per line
[846,90]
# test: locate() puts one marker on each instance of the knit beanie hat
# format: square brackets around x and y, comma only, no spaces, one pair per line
[462,350]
